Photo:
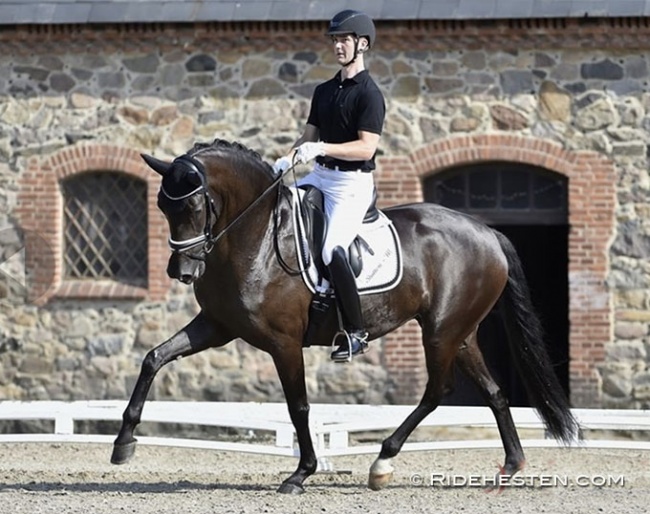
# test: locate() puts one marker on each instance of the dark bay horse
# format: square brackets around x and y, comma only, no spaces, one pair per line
[455,271]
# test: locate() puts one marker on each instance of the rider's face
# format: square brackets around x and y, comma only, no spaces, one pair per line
[343,48]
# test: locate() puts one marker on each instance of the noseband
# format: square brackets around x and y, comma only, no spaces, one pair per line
[207,239]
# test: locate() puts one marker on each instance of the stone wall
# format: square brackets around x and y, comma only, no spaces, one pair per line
[581,112]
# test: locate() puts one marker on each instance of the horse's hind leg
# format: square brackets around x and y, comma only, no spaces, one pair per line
[470,360]
[439,357]
[195,337]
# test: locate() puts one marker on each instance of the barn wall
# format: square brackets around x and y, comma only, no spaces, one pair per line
[74,99]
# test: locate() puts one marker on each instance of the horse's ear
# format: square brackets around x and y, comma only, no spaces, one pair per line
[160,167]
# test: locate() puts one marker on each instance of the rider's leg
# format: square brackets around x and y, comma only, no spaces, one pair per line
[347,198]
[347,298]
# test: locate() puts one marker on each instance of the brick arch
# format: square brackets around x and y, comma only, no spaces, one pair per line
[39,214]
[592,196]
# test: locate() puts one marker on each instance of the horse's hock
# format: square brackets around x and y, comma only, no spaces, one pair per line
[455,97]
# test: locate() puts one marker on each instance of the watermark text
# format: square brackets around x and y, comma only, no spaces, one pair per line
[446,481]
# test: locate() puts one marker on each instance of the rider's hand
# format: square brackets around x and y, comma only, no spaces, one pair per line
[281,165]
[308,151]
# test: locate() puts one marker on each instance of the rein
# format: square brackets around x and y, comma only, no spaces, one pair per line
[207,239]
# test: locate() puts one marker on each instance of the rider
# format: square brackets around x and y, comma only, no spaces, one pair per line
[342,133]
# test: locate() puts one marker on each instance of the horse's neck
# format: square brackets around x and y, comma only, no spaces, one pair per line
[248,219]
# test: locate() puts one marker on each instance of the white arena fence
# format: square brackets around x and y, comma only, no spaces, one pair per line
[331,425]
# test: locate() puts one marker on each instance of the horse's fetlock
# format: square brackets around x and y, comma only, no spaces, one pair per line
[311,466]
[389,449]
[132,416]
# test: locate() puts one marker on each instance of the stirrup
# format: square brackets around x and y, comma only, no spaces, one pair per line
[361,339]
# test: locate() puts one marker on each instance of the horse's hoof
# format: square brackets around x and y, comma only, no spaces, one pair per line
[378,482]
[289,488]
[122,453]
[380,475]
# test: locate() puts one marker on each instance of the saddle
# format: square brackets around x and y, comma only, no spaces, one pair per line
[375,255]
[315,227]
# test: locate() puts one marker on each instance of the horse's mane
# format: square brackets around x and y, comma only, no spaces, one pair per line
[221,146]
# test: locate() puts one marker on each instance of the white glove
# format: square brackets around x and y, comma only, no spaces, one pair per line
[281,165]
[309,151]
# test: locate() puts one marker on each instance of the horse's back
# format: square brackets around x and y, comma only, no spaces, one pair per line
[445,229]
[443,238]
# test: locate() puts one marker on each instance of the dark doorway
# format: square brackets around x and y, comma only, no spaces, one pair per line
[528,205]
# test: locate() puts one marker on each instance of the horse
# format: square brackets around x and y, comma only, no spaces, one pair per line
[232,240]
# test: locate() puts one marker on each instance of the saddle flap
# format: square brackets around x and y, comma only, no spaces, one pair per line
[314,221]
[375,255]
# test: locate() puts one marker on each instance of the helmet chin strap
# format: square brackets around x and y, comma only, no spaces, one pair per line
[356,53]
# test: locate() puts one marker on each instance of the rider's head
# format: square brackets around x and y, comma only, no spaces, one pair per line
[358,26]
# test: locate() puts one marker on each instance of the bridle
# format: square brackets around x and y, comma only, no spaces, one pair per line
[207,240]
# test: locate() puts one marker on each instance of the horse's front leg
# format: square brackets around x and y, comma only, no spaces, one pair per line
[196,336]
[291,370]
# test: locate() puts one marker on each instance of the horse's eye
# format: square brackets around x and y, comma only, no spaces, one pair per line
[196,203]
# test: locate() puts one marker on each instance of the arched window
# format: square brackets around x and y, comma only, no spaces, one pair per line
[105,228]
[502,192]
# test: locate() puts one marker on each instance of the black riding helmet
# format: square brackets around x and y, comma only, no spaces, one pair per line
[353,22]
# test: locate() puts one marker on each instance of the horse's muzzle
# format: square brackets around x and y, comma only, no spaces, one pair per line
[184,269]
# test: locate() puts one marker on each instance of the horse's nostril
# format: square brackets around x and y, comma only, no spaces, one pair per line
[186,278]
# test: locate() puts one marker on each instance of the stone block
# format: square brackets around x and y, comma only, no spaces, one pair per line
[641,382]
[407,86]
[595,116]
[474,60]
[505,118]
[628,330]
[201,63]
[106,344]
[35,365]
[617,386]
[133,115]
[605,69]
[164,115]
[514,82]
[147,338]
[143,64]
[62,82]
[255,69]
[83,101]
[625,351]
[554,102]
[265,87]
[443,85]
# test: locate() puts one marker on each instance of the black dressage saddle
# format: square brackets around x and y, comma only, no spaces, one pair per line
[315,223]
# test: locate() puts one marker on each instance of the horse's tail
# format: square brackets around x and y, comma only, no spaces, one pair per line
[525,336]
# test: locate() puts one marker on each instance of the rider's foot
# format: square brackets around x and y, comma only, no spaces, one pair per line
[355,344]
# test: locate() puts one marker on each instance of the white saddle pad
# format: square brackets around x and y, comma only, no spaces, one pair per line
[381,254]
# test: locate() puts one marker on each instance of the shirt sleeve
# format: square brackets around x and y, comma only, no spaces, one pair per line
[313,110]
[372,111]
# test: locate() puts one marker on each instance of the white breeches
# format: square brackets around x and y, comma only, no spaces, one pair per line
[347,196]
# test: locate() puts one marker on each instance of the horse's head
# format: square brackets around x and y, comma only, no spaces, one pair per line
[185,201]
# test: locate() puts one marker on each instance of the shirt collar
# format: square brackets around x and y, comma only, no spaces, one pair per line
[357,78]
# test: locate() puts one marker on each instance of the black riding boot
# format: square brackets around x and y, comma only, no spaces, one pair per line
[347,298]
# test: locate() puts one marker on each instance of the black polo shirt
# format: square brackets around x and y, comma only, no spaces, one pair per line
[340,109]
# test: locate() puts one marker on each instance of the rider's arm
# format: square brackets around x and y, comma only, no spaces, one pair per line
[310,134]
[360,150]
